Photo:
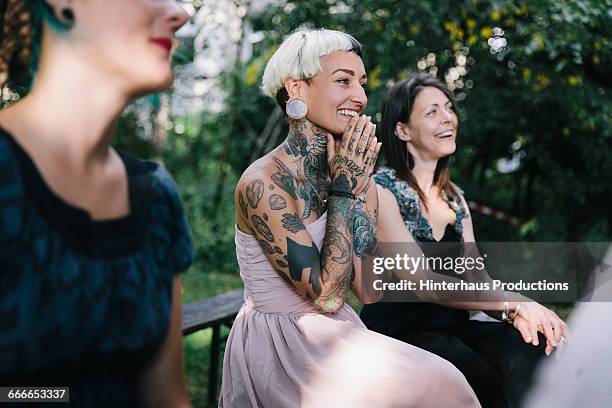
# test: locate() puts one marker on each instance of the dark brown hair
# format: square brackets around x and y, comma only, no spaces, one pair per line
[16,39]
[397,107]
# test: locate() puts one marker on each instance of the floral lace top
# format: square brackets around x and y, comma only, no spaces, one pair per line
[410,206]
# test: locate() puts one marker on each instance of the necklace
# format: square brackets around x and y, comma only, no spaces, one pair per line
[321,201]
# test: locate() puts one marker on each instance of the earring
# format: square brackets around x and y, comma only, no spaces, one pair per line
[296,107]
[68,15]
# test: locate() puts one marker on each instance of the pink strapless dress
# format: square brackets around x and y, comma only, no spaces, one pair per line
[282,352]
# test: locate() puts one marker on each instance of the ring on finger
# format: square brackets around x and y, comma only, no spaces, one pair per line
[359,151]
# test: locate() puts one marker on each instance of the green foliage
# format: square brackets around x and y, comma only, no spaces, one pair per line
[543,98]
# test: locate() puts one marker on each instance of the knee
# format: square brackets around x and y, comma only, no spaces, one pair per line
[442,374]
[442,379]
[522,358]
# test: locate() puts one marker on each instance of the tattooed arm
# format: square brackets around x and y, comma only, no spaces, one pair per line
[271,215]
[365,243]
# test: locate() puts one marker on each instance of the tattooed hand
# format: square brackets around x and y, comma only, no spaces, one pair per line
[351,166]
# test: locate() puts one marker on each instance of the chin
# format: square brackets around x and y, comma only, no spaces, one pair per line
[155,83]
[448,152]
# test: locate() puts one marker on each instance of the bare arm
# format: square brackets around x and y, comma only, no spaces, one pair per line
[163,383]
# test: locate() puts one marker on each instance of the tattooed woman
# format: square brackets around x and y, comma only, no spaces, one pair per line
[302,221]
[419,203]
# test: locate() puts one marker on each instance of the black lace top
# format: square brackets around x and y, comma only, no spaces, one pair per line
[85,303]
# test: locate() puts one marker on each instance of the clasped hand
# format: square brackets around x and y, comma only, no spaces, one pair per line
[351,166]
[533,318]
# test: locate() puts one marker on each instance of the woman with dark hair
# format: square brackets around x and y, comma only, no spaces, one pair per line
[419,203]
[91,239]
[301,223]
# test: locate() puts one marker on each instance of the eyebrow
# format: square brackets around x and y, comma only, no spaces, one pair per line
[350,72]
[435,104]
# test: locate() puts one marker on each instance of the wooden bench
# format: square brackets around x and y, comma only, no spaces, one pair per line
[212,312]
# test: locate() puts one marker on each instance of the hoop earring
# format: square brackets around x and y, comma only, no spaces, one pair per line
[296,107]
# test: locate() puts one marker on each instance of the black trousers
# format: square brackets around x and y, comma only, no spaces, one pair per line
[492,356]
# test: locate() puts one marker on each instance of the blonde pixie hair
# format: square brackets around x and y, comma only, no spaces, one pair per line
[299,57]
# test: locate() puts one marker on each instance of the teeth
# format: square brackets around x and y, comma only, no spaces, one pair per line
[448,133]
[347,112]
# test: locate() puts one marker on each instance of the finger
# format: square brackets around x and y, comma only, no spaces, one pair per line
[560,347]
[549,333]
[566,331]
[533,328]
[378,146]
[371,143]
[362,148]
[359,128]
[372,157]
[371,160]
[364,138]
[558,328]
[369,154]
[523,328]
[331,149]
[549,348]
[348,133]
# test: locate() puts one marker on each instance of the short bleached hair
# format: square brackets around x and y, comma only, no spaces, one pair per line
[299,57]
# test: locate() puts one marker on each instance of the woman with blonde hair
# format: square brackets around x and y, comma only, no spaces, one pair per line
[304,217]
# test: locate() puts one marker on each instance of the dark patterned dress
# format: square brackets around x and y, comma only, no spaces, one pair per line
[395,319]
[85,303]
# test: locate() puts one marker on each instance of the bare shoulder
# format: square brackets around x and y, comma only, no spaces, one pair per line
[250,190]
[265,185]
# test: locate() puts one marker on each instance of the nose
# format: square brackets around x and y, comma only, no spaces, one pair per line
[447,115]
[359,96]
[177,16]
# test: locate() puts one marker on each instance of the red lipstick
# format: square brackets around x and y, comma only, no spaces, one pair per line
[165,43]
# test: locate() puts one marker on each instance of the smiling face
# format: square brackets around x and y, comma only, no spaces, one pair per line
[337,93]
[432,127]
[129,42]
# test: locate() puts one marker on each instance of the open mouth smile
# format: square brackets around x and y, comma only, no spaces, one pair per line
[348,112]
[445,134]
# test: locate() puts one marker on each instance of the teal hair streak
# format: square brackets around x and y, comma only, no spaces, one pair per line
[40,13]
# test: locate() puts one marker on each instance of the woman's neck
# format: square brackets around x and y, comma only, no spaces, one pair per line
[307,143]
[424,172]
[306,150]
[73,108]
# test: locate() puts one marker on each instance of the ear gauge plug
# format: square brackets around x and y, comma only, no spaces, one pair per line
[68,15]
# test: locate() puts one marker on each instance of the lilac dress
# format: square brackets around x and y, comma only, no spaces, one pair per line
[283,352]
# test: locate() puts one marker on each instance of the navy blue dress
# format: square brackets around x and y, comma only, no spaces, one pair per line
[85,303]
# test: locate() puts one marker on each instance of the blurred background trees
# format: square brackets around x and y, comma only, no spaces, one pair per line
[530,77]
